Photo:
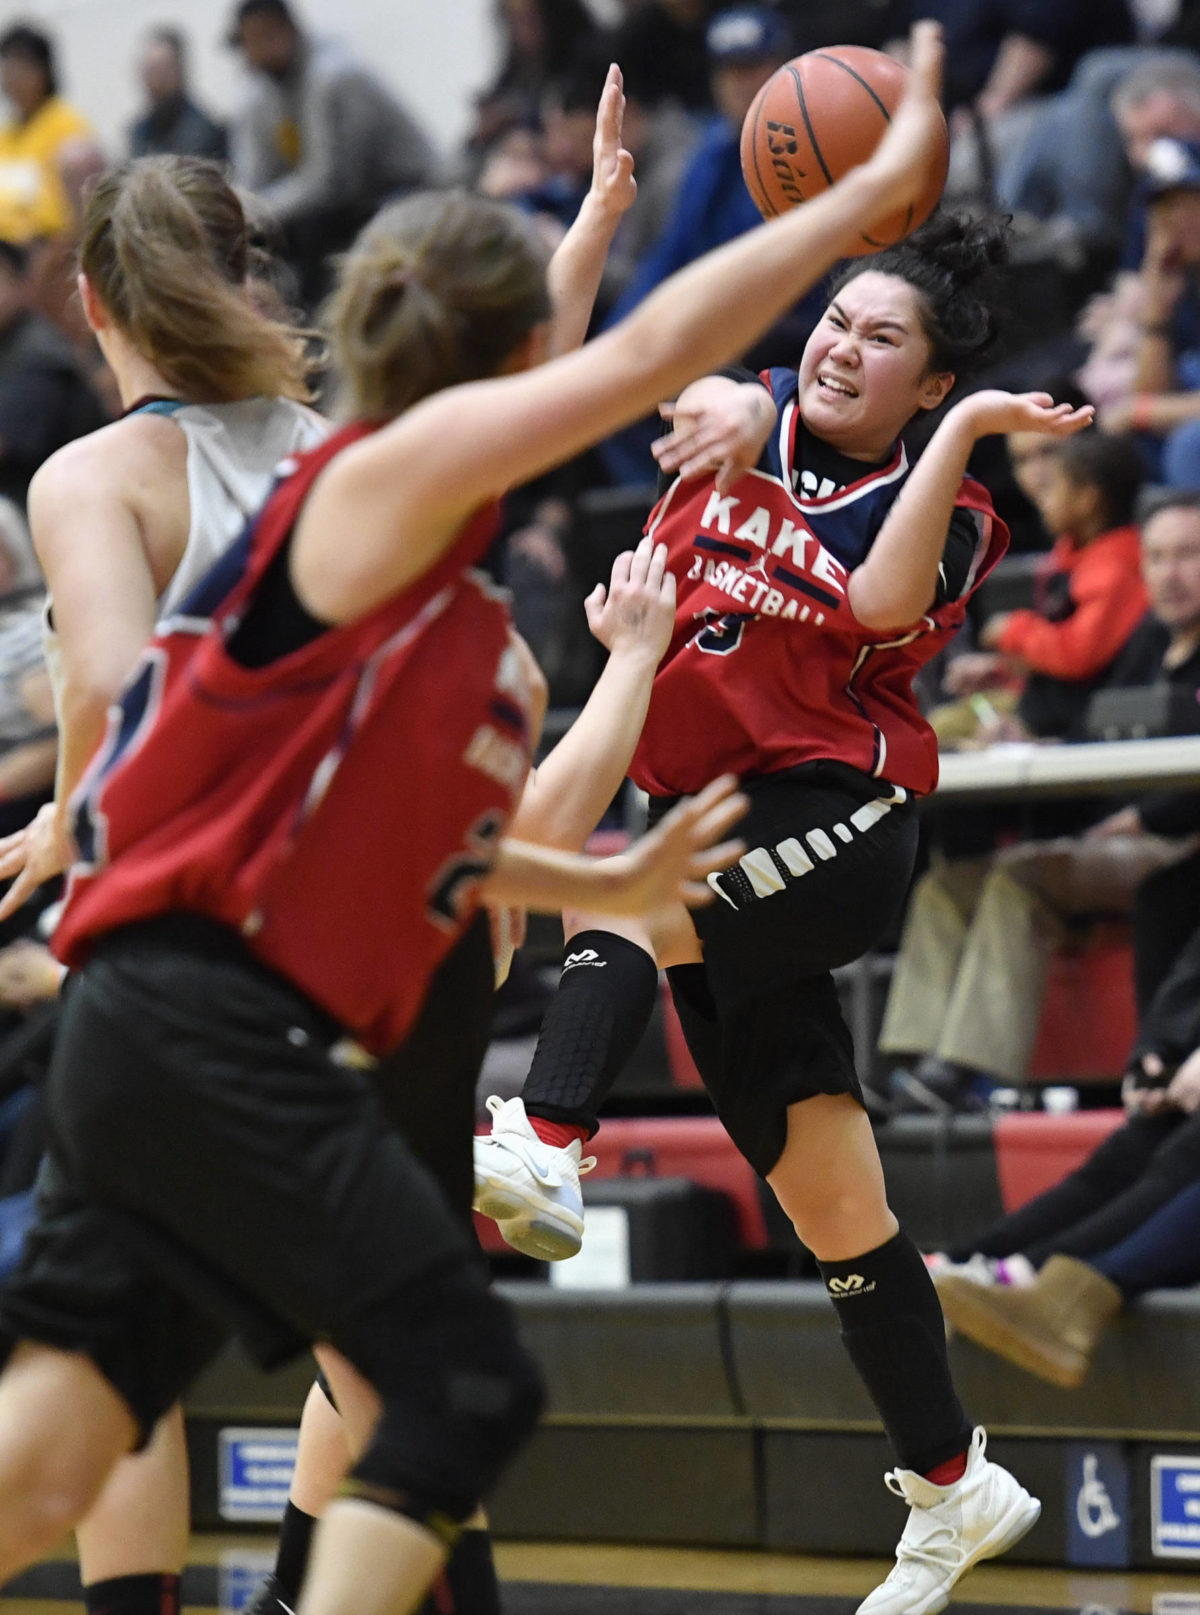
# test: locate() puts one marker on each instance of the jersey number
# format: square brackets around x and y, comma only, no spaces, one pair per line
[721,632]
[450,886]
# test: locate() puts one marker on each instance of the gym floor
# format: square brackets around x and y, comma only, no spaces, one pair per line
[574,1579]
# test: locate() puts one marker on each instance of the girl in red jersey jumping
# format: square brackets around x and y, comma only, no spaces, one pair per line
[300,804]
[816,572]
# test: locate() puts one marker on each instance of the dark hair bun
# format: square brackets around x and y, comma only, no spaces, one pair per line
[943,261]
[965,246]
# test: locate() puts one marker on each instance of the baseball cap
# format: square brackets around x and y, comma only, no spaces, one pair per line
[747,34]
[1171,165]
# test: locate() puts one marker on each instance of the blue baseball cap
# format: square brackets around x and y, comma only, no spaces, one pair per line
[1171,165]
[747,34]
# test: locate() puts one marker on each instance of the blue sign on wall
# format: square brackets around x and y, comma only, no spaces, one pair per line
[1097,1505]
[1175,1507]
[254,1471]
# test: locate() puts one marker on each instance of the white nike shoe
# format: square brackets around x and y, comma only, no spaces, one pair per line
[950,1528]
[530,1189]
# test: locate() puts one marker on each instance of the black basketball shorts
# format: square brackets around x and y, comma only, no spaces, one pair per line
[215,1169]
[830,859]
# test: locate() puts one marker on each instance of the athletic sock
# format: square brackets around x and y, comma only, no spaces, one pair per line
[946,1474]
[558,1134]
[291,1557]
[468,1585]
[154,1593]
[603,1005]
[892,1327]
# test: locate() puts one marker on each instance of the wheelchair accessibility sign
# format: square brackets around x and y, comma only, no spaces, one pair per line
[1097,1505]
[1175,1507]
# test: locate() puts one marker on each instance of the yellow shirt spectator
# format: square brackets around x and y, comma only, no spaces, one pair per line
[32,200]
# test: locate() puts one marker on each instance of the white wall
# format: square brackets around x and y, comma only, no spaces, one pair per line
[433,52]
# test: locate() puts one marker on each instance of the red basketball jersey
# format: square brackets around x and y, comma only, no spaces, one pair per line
[768,667]
[339,806]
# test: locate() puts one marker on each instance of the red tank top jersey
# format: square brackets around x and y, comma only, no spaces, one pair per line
[768,667]
[339,806]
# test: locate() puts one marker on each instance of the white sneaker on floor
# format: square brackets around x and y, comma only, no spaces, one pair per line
[530,1189]
[950,1528]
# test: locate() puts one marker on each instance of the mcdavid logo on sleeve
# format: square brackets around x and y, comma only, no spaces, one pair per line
[585,956]
[852,1284]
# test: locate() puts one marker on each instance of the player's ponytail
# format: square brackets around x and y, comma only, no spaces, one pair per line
[166,249]
[439,289]
[944,261]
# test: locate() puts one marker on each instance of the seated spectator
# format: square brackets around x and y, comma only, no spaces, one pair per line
[172,123]
[540,41]
[33,205]
[1090,593]
[1040,1286]
[967,989]
[321,141]
[1000,55]
[28,732]
[45,397]
[661,46]
[1165,402]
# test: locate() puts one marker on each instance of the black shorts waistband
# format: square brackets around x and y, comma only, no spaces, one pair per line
[823,774]
[198,936]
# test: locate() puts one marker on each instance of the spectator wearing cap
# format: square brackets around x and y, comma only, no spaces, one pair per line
[33,201]
[172,123]
[1165,403]
[321,140]
[45,398]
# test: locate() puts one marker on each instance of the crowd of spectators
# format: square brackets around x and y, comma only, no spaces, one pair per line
[1079,117]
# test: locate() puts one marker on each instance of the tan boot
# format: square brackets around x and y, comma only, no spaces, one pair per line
[1049,1328]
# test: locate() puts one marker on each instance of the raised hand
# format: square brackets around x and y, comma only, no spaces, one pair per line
[915,137]
[636,613]
[992,411]
[613,184]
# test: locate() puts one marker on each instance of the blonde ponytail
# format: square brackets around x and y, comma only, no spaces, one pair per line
[165,246]
[440,288]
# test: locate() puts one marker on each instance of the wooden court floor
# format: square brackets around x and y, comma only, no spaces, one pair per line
[575,1579]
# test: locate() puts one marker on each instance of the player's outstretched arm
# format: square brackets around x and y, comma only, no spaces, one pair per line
[719,428]
[389,506]
[897,583]
[577,267]
[566,796]
[670,864]
[104,601]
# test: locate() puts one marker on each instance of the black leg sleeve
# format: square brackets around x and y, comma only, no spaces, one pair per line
[603,1005]
[892,1327]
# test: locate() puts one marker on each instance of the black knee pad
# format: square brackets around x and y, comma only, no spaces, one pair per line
[461,1395]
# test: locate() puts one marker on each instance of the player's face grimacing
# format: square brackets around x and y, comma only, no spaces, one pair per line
[865,371]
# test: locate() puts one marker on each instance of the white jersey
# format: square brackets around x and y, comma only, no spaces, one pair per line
[233,453]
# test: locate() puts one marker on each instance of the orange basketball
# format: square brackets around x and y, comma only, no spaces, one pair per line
[819,116]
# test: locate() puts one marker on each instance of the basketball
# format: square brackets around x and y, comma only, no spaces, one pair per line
[817,117]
